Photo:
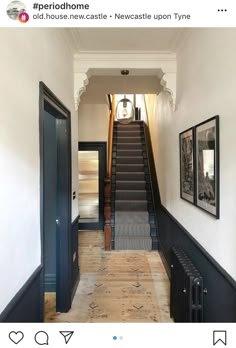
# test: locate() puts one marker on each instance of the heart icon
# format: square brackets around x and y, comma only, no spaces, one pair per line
[16,337]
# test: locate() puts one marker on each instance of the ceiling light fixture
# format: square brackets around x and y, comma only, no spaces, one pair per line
[125,109]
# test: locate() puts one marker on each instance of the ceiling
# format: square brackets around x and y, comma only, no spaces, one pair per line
[124,40]
[127,39]
[100,86]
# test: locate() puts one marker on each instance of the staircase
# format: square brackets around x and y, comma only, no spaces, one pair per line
[133,218]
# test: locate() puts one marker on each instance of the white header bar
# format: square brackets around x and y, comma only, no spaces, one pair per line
[121,13]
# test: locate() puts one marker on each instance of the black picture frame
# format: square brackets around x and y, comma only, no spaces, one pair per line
[187,165]
[207,174]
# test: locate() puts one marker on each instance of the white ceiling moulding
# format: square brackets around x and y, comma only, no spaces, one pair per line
[127,40]
[161,65]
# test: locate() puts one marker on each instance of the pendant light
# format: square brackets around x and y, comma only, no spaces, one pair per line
[125,109]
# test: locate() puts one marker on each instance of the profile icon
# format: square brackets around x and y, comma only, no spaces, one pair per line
[15,8]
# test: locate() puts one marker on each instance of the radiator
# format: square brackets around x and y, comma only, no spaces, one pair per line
[186,298]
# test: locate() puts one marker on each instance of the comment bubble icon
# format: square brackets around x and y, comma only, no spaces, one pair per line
[41,338]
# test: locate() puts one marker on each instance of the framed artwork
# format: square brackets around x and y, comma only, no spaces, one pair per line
[187,182]
[207,166]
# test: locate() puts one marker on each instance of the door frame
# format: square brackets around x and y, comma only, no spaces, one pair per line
[49,101]
[101,147]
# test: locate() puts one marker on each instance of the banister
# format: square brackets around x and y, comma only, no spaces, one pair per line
[110,136]
[107,181]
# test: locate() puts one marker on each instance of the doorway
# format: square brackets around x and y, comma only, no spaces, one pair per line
[55,199]
[92,172]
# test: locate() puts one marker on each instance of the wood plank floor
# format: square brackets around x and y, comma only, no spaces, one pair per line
[117,286]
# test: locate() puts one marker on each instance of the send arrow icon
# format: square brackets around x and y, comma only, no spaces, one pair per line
[67,335]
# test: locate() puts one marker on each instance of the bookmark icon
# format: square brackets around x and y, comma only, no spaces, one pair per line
[219,336]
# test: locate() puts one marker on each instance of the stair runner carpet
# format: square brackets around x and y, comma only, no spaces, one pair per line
[134,222]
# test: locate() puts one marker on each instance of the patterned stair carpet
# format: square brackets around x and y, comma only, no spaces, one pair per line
[118,286]
[131,197]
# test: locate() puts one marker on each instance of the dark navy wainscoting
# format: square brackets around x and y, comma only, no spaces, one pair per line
[220,300]
[75,274]
[25,307]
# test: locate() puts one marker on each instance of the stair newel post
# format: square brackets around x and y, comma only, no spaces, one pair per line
[107,181]
[107,213]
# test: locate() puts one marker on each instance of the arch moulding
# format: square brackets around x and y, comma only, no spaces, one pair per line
[155,64]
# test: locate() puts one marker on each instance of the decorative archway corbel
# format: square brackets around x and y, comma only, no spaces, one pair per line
[168,82]
[162,65]
[81,80]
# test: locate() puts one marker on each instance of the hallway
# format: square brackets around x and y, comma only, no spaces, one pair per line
[125,286]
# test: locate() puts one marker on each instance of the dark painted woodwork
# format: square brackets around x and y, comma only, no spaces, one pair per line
[152,168]
[50,282]
[25,307]
[109,100]
[137,114]
[107,213]
[75,256]
[220,300]
[50,199]
[50,103]
[153,188]
[63,284]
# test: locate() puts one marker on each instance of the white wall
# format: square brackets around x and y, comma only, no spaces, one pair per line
[205,87]
[27,56]
[93,122]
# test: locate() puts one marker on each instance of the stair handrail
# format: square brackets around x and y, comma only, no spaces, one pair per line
[107,181]
[110,136]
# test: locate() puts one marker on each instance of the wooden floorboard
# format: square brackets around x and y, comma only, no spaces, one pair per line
[116,286]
